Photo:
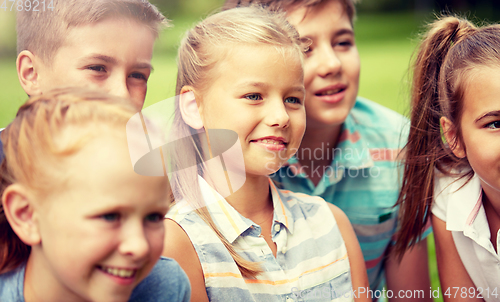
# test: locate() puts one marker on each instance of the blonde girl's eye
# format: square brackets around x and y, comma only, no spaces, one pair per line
[493,125]
[253,97]
[292,100]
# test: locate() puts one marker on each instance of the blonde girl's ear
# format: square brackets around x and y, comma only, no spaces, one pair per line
[450,135]
[20,211]
[189,108]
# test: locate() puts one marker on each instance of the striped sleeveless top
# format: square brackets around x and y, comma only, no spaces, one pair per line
[311,261]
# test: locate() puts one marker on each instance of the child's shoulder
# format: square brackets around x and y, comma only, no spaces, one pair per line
[166,282]
[379,125]
[301,199]
[12,285]
[305,206]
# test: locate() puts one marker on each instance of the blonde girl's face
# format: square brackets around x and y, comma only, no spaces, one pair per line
[102,232]
[481,128]
[258,92]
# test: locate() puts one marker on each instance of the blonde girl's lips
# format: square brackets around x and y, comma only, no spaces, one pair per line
[271,143]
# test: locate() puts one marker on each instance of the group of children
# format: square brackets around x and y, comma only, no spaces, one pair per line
[77,223]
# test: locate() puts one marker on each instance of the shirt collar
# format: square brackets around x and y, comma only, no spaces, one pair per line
[464,201]
[282,212]
[230,222]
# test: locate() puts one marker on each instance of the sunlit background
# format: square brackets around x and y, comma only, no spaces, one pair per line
[386,35]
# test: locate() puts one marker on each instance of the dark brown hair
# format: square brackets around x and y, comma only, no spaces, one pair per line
[451,49]
[285,5]
[33,152]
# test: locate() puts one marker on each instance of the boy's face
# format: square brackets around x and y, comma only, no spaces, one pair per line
[102,231]
[113,54]
[332,63]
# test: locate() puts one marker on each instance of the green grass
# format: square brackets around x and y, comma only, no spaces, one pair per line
[385,44]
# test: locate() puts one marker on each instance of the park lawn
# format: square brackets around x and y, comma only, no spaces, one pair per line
[385,44]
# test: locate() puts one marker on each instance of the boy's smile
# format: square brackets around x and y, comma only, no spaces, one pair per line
[113,54]
[332,63]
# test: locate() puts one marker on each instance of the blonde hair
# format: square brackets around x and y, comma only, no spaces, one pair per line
[42,32]
[200,51]
[33,149]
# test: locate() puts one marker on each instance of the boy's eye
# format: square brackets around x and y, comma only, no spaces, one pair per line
[154,217]
[111,217]
[292,100]
[253,97]
[98,68]
[138,75]
[493,125]
[345,43]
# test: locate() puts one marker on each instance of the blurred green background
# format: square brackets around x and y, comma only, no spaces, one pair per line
[386,34]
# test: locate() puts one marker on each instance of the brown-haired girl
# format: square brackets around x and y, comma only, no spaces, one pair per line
[452,172]
[241,71]
[76,222]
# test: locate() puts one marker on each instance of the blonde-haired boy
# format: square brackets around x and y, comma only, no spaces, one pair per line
[101,43]
[106,44]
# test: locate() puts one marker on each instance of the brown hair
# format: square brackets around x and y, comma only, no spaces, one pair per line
[31,147]
[200,51]
[42,32]
[448,53]
[285,5]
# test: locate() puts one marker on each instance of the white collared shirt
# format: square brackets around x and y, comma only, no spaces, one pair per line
[462,210]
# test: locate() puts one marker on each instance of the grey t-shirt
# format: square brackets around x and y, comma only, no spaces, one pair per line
[166,282]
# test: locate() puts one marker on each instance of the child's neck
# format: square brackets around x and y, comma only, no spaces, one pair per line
[315,150]
[254,202]
[253,199]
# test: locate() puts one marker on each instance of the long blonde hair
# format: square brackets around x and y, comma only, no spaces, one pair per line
[33,150]
[200,51]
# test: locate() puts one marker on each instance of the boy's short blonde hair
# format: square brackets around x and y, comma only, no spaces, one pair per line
[275,5]
[43,32]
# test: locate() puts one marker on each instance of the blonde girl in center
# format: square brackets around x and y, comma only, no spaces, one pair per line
[241,71]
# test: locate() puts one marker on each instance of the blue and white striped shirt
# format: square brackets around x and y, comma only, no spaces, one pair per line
[311,255]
